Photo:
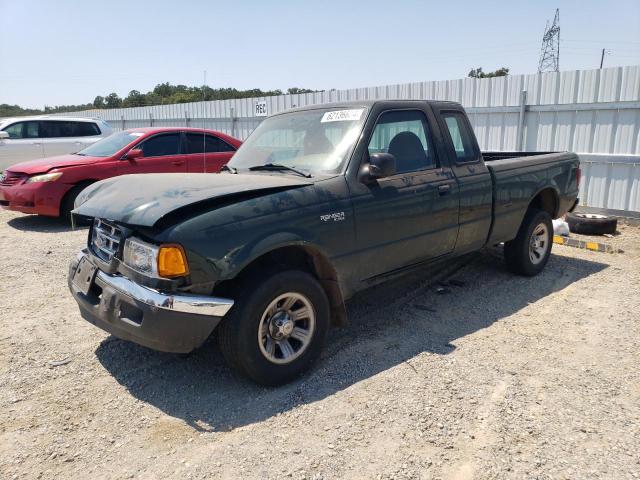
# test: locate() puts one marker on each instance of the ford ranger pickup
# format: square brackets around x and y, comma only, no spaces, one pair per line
[318,203]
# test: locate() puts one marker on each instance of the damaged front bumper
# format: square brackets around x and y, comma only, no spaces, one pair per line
[162,321]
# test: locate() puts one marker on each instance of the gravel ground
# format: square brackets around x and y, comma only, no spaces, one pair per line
[501,377]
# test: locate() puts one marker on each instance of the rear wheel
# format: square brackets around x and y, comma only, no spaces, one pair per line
[276,328]
[529,252]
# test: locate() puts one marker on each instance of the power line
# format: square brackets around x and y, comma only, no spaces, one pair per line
[600,41]
[550,50]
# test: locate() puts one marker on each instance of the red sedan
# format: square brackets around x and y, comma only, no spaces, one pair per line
[49,186]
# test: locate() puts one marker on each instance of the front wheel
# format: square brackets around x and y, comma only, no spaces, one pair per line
[276,328]
[529,252]
[67,203]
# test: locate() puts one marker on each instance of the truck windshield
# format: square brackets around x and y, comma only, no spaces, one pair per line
[312,140]
[110,145]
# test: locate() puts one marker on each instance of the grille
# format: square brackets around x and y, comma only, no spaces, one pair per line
[105,239]
[9,178]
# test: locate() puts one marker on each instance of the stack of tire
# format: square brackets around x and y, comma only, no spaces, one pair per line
[591,223]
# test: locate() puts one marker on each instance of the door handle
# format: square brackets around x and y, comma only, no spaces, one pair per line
[178,162]
[444,189]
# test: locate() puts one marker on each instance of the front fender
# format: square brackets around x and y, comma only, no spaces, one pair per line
[237,260]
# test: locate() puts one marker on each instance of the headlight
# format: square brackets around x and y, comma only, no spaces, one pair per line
[141,256]
[47,177]
[164,261]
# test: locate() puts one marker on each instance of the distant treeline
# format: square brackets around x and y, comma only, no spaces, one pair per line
[162,94]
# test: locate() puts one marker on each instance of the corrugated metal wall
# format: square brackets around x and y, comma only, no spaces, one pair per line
[587,111]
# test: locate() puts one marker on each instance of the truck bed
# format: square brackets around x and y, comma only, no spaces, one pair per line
[517,177]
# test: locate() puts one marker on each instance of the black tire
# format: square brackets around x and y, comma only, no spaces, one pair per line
[517,254]
[591,224]
[238,332]
[67,205]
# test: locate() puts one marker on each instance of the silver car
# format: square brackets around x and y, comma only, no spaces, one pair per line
[28,138]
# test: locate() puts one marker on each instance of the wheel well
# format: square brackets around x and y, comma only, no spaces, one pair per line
[305,258]
[83,184]
[546,200]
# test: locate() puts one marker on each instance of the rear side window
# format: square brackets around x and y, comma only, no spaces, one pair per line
[86,129]
[23,130]
[162,145]
[210,144]
[460,137]
[54,129]
[61,129]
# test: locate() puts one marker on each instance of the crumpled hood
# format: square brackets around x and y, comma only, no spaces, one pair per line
[43,165]
[143,199]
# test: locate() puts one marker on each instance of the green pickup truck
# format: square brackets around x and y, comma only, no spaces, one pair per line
[318,203]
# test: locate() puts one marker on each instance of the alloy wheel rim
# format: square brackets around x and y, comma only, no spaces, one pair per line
[538,243]
[286,328]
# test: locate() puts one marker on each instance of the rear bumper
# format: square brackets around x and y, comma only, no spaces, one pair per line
[161,321]
[37,198]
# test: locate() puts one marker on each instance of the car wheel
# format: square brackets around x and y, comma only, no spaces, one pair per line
[67,205]
[276,328]
[529,252]
[591,223]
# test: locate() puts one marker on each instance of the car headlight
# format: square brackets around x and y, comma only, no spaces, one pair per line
[156,261]
[141,256]
[47,177]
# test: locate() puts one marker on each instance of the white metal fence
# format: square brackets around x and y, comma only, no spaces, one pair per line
[595,113]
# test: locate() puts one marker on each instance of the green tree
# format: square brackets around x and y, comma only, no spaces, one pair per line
[113,101]
[478,73]
[295,90]
[98,102]
[163,89]
[134,99]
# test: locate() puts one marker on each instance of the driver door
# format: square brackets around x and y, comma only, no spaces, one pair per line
[409,217]
[162,153]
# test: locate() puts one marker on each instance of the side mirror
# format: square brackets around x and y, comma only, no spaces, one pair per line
[4,135]
[134,153]
[380,165]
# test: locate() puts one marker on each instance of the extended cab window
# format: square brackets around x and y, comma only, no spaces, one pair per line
[162,145]
[460,137]
[405,135]
[211,144]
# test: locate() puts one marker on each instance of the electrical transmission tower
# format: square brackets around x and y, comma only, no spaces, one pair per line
[550,51]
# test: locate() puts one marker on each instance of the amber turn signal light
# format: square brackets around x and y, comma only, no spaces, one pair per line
[172,262]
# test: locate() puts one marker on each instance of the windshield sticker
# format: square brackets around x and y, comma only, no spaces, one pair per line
[342,115]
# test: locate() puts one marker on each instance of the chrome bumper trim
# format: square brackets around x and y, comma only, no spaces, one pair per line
[185,303]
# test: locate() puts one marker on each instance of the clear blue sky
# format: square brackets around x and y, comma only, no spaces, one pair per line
[67,52]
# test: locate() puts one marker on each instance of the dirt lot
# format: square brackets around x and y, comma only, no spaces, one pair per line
[502,377]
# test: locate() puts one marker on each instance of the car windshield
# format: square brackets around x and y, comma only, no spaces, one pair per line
[110,145]
[312,140]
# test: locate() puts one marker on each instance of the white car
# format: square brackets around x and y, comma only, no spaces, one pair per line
[28,138]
